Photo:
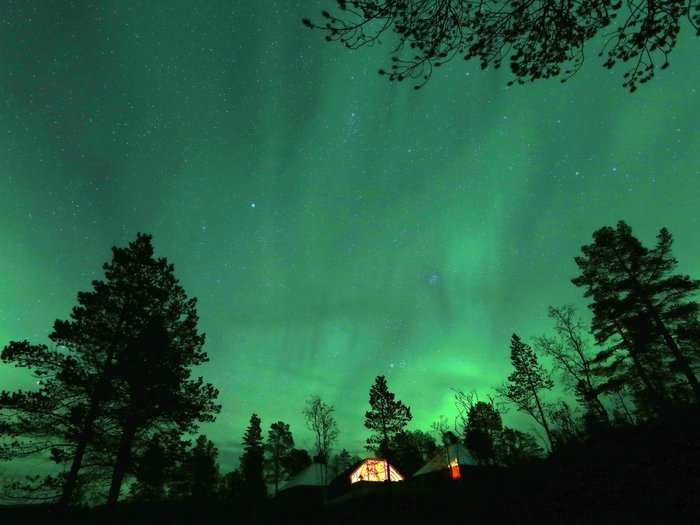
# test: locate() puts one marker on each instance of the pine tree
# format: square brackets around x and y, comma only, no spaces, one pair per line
[342,461]
[155,467]
[387,418]
[279,444]
[641,304]
[204,469]
[412,449]
[526,383]
[481,430]
[295,461]
[253,458]
[120,371]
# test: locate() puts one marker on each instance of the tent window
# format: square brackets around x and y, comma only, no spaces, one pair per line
[454,469]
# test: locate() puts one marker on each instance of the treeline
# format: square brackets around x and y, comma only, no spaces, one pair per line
[636,364]
[116,399]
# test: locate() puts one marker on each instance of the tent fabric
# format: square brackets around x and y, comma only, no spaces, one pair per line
[447,458]
[315,475]
[373,469]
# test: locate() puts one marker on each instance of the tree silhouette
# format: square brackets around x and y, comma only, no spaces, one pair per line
[634,362]
[155,467]
[204,469]
[640,304]
[253,459]
[536,38]
[46,420]
[570,354]
[481,431]
[120,371]
[526,382]
[514,447]
[279,444]
[148,370]
[412,449]
[59,417]
[320,420]
[197,474]
[231,485]
[342,461]
[295,461]
[387,418]
[566,427]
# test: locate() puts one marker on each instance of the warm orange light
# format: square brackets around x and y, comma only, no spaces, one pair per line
[454,469]
[374,470]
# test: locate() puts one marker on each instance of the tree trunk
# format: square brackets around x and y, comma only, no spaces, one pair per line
[544,420]
[624,407]
[87,434]
[122,462]
[668,338]
[675,351]
[72,478]
[657,398]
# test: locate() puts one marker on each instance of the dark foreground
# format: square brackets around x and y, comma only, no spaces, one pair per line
[647,474]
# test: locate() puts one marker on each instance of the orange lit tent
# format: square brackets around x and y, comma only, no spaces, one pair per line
[374,469]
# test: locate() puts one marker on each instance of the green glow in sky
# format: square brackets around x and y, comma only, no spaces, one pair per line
[333,226]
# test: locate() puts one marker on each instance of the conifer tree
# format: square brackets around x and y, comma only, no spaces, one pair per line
[253,458]
[204,469]
[481,430]
[279,444]
[342,461]
[295,461]
[120,371]
[156,467]
[387,418]
[526,383]
[640,304]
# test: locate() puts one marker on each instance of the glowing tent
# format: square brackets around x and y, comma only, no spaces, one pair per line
[449,460]
[374,469]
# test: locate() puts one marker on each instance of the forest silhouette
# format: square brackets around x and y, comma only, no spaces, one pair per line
[117,408]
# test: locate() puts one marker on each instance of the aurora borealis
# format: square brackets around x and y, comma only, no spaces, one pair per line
[333,226]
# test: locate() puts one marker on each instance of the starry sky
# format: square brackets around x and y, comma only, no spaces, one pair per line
[333,226]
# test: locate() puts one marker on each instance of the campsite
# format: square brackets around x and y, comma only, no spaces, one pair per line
[349,262]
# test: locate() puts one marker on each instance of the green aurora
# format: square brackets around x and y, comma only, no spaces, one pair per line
[334,226]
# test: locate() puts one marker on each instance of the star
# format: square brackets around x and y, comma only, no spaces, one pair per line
[252,205]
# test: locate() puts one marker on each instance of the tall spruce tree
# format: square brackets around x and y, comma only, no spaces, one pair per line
[387,418]
[526,383]
[278,446]
[253,459]
[204,469]
[640,303]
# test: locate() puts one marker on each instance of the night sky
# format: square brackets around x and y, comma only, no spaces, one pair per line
[334,226]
